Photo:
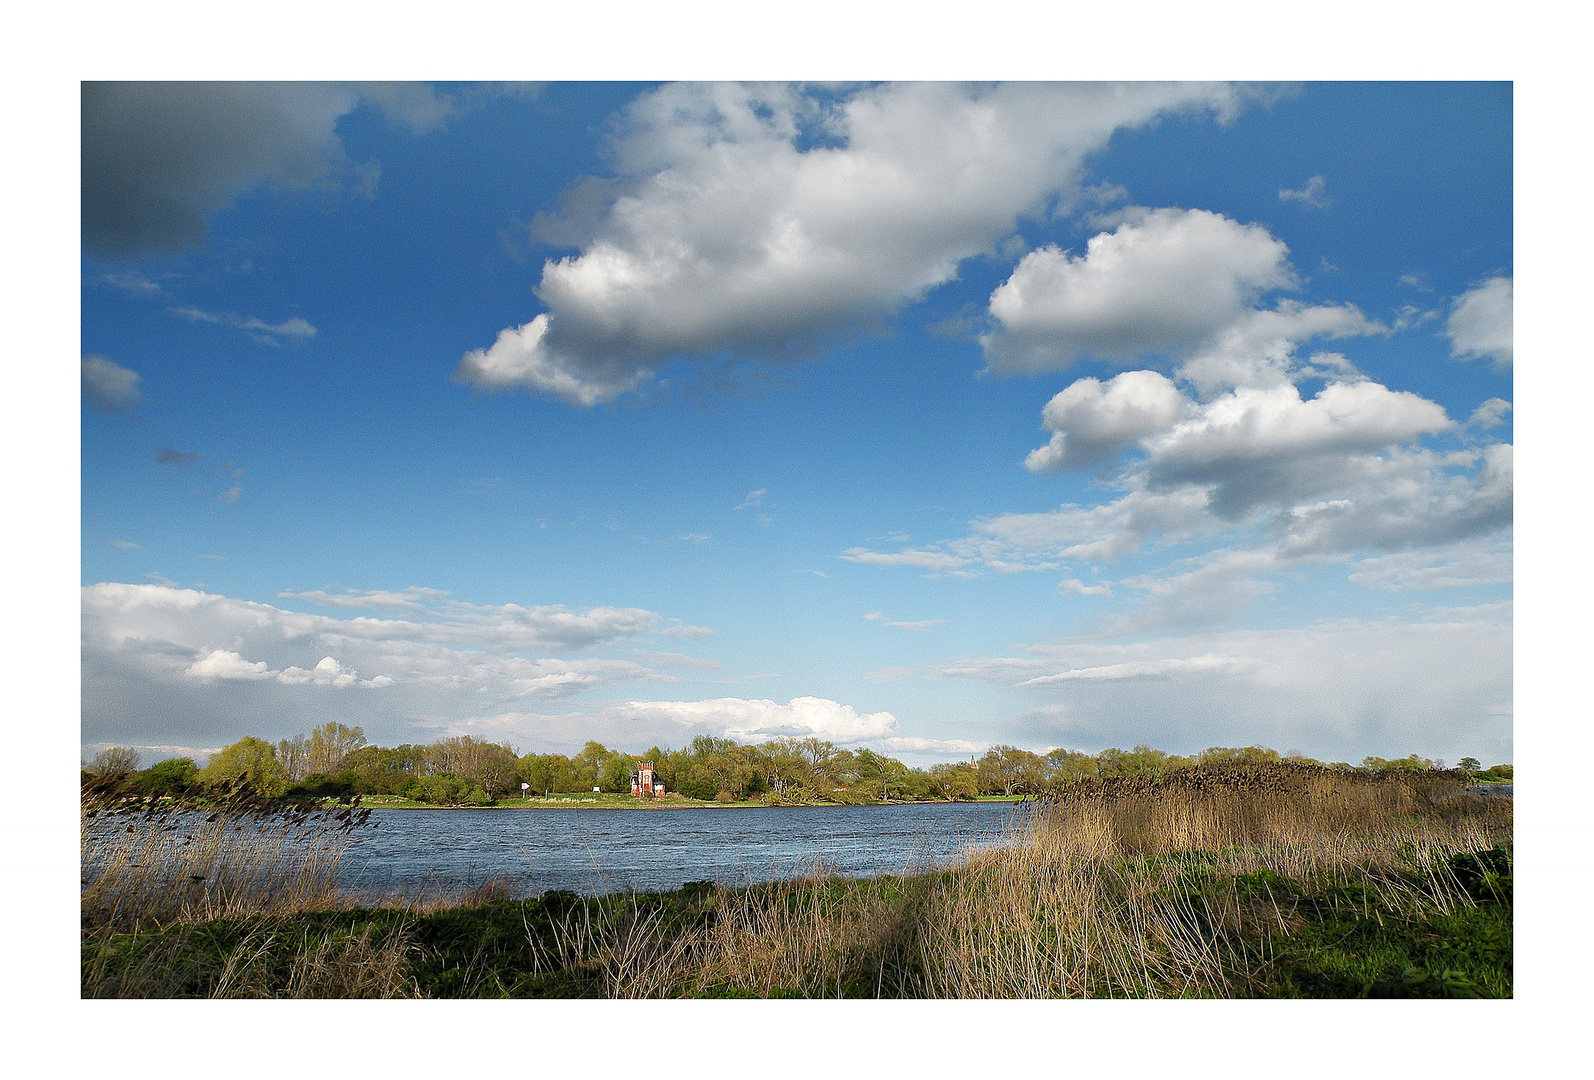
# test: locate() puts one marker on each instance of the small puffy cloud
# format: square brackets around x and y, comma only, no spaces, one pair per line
[1490,414]
[760,220]
[1480,323]
[125,545]
[1312,194]
[168,456]
[1091,421]
[109,387]
[1163,282]
[1075,587]
[754,498]
[231,495]
[226,665]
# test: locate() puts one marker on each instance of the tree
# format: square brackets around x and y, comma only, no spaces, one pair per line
[249,759]
[1469,764]
[547,773]
[1065,765]
[955,780]
[168,777]
[114,761]
[1236,755]
[1011,771]
[329,745]
[294,754]
[1142,761]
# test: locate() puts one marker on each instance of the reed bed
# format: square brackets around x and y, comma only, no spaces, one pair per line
[157,861]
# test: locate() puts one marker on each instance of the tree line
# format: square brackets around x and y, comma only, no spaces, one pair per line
[336,760]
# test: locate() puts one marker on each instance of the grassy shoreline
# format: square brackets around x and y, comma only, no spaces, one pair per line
[1285,882]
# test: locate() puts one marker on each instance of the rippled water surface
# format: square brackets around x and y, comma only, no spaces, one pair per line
[598,851]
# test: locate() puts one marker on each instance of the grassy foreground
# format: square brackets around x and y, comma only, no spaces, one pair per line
[1283,881]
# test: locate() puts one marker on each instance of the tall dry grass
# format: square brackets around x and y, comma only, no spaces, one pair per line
[1137,889]
[157,861]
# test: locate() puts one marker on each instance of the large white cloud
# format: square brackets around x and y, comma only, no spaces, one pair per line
[1169,282]
[1162,282]
[762,218]
[1481,322]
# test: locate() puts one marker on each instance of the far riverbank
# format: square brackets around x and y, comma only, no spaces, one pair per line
[610,801]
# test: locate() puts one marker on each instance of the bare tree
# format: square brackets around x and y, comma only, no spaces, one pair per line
[330,744]
[294,754]
[115,761]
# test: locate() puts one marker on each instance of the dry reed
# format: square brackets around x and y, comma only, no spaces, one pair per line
[148,862]
[1139,889]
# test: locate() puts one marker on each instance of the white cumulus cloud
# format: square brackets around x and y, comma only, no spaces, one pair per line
[760,219]
[226,665]
[1163,282]
[1091,421]
[1480,323]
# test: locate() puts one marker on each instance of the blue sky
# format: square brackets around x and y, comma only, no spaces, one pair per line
[924,417]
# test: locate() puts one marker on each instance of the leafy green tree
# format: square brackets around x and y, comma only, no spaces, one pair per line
[168,777]
[589,763]
[955,780]
[113,762]
[1469,764]
[1236,755]
[381,770]
[615,776]
[1142,761]
[1065,765]
[1009,771]
[250,759]
[547,773]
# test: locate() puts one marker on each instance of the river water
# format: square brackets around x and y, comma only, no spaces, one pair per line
[413,853]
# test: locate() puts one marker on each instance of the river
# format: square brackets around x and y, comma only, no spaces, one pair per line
[412,853]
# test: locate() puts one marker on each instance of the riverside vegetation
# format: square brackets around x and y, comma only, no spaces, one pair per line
[1225,879]
[336,761]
